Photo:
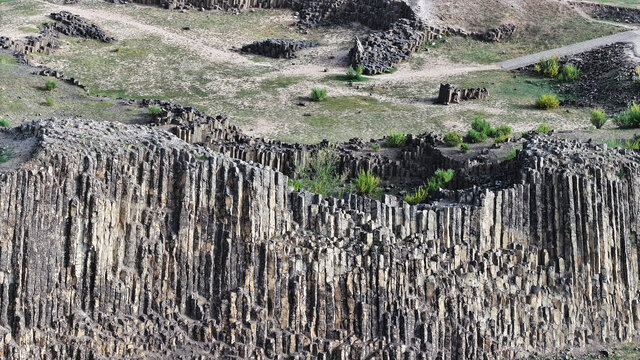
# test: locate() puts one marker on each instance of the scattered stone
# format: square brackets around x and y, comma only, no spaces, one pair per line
[277,48]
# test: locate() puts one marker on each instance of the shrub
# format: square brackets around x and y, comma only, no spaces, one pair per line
[50,85]
[502,131]
[395,140]
[638,73]
[543,129]
[452,139]
[366,184]
[475,137]
[421,194]
[318,94]
[598,118]
[4,123]
[629,118]
[320,175]
[547,102]
[501,139]
[355,74]
[481,125]
[549,68]
[464,147]
[569,72]
[155,110]
[375,146]
[49,101]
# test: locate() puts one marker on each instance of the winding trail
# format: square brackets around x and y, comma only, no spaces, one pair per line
[631,37]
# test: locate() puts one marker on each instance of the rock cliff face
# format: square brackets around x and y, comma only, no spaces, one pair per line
[125,242]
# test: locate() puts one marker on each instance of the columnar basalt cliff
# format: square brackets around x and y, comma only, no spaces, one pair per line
[124,241]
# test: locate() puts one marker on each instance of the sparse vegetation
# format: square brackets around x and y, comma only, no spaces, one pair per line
[155,110]
[547,102]
[598,118]
[355,74]
[366,184]
[375,146]
[481,125]
[50,85]
[638,74]
[631,144]
[452,139]
[395,140]
[421,194]
[320,175]
[318,94]
[629,118]
[569,72]
[464,147]
[543,129]
[49,101]
[4,123]
[512,154]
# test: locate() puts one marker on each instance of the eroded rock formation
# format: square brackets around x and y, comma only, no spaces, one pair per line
[610,12]
[450,94]
[277,48]
[124,241]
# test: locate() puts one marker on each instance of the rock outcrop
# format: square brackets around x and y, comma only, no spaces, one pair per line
[450,94]
[125,242]
[69,24]
[610,12]
[277,48]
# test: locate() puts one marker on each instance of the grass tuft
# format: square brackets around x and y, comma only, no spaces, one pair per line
[366,184]
[547,102]
[318,94]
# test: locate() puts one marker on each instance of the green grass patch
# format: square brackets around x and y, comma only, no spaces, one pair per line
[280,82]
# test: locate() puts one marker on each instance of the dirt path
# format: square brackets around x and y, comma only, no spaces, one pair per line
[632,37]
[128,24]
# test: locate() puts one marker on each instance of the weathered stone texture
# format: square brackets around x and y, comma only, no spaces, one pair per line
[277,48]
[118,241]
[610,12]
[450,94]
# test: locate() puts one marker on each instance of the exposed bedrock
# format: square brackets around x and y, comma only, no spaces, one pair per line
[125,242]
[69,24]
[277,48]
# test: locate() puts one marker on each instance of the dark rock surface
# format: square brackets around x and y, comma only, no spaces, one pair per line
[124,242]
[277,48]
[69,24]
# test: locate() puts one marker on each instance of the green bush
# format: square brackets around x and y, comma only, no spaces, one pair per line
[464,147]
[475,137]
[155,110]
[421,194]
[543,129]
[629,118]
[638,73]
[548,68]
[501,139]
[569,73]
[452,139]
[547,102]
[355,74]
[502,131]
[50,85]
[49,101]
[375,146]
[395,140]
[320,175]
[4,123]
[318,94]
[481,125]
[366,184]
[598,118]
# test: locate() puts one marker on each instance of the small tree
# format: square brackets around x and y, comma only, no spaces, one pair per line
[366,184]
[452,139]
[50,85]
[598,118]
[318,94]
